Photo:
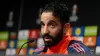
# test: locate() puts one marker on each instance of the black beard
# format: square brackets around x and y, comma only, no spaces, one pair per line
[55,40]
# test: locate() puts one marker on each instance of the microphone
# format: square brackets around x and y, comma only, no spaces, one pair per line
[25,43]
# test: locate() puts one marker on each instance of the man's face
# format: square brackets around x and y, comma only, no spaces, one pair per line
[51,29]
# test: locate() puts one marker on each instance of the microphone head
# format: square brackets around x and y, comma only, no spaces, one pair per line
[30,41]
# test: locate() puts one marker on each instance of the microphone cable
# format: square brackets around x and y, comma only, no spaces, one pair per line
[24,44]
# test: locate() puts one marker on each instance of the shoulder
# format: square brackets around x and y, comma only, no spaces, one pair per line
[78,47]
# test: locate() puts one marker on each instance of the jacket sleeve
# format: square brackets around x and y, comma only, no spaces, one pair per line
[78,48]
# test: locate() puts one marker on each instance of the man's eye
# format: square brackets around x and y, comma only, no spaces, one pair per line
[52,26]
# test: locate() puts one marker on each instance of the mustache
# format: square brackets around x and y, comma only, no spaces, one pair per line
[48,36]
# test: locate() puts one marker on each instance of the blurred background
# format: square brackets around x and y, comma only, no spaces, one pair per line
[19,22]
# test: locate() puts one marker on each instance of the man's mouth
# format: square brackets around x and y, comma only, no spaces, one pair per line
[47,39]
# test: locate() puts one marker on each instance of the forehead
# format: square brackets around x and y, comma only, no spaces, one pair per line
[46,16]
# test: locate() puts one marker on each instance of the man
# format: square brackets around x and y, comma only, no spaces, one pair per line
[55,32]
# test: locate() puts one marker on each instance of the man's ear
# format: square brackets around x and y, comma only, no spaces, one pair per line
[66,27]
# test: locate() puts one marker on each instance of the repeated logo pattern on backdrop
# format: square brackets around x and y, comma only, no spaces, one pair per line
[88,35]
[11,43]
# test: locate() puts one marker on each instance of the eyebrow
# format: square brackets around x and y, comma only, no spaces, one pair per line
[51,21]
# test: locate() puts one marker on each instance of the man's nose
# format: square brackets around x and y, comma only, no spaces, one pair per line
[45,30]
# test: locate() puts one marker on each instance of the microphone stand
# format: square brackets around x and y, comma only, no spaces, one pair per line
[24,44]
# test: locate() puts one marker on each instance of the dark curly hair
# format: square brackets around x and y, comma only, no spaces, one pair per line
[59,10]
